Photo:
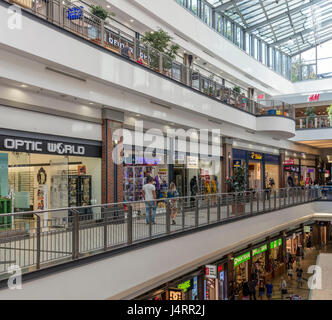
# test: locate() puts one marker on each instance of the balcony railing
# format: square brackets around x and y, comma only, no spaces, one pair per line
[84,24]
[317,122]
[40,239]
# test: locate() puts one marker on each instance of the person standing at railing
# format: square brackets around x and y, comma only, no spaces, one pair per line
[125,51]
[173,193]
[149,195]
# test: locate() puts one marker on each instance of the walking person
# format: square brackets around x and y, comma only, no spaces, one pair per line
[173,193]
[299,273]
[283,288]
[269,290]
[261,289]
[149,194]
[252,289]
[245,291]
[290,271]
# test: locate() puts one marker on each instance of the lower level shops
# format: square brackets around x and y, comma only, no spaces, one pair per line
[263,261]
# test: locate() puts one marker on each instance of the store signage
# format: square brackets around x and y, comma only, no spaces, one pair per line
[152,161]
[116,43]
[260,97]
[256,156]
[192,162]
[276,243]
[74,13]
[236,163]
[175,294]
[48,147]
[185,286]
[292,169]
[314,97]
[211,271]
[311,170]
[259,250]
[240,259]
[289,162]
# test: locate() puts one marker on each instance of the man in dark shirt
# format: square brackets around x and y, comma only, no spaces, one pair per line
[299,273]
[125,51]
[269,288]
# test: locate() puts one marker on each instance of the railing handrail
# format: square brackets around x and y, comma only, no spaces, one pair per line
[128,203]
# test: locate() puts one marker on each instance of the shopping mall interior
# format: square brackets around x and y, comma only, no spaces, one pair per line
[183,144]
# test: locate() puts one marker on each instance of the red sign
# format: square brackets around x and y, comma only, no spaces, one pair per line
[219,268]
[261,96]
[289,162]
[314,97]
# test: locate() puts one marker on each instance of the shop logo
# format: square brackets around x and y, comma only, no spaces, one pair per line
[243,258]
[15,144]
[61,148]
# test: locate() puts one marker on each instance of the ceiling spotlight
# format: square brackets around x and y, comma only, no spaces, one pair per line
[108,6]
[138,115]
[132,20]
[90,102]
[24,86]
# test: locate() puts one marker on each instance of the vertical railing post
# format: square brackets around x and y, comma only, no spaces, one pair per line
[61,20]
[301,195]
[251,201]
[269,192]
[38,234]
[264,200]
[218,207]
[293,195]
[105,216]
[227,204]
[257,199]
[280,198]
[285,195]
[150,221]
[102,32]
[160,62]
[183,214]
[168,217]
[196,213]
[129,225]
[235,203]
[208,210]
[75,235]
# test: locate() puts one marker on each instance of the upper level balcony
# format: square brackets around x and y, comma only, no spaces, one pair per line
[139,57]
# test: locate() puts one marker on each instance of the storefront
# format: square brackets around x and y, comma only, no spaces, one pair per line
[241,270]
[292,173]
[308,170]
[294,243]
[259,261]
[259,165]
[276,258]
[272,171]
[49,172]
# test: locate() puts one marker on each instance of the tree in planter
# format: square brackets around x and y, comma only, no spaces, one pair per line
[311,114]
[101,13]
[161,42]
[329,112]
[237,184]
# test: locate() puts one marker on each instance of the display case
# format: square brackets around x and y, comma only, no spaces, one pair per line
[79,191]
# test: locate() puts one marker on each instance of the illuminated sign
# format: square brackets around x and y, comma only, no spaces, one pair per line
[260,97]
[240,259]
[211,271]
[236,163]
[192,162]
[289,162]
[314,97]
[276,243]
[23,3]
[175,294]
[185,286]
[259,250]
[256,156]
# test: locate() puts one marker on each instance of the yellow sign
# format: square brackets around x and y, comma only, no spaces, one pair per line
[256,156]
[175,294]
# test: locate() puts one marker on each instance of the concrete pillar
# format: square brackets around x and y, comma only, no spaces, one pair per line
[112,171]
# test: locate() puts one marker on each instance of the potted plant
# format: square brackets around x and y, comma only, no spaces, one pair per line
[160,41]
[237,184]
[310,113]
[329,112]
[237,89]
[101,13]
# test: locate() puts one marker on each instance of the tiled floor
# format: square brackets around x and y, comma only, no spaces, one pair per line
[292,286]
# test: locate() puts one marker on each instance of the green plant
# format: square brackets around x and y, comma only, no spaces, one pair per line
[101,13]
[237,183]
[237,89]
[161,42]
[329,111]
[310,112]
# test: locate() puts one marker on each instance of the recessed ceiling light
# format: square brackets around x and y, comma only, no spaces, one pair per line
[24,86]
[108,6]
[138,115]
[132,20]
[90,102]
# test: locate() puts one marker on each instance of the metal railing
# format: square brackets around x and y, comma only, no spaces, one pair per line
[39,239]
[316,122]
[84,24]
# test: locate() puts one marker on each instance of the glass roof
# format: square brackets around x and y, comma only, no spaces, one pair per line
[292,26]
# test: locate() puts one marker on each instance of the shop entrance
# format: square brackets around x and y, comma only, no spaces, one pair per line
[255,175]
[180,180]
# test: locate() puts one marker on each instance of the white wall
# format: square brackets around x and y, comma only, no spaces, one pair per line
[313,134]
